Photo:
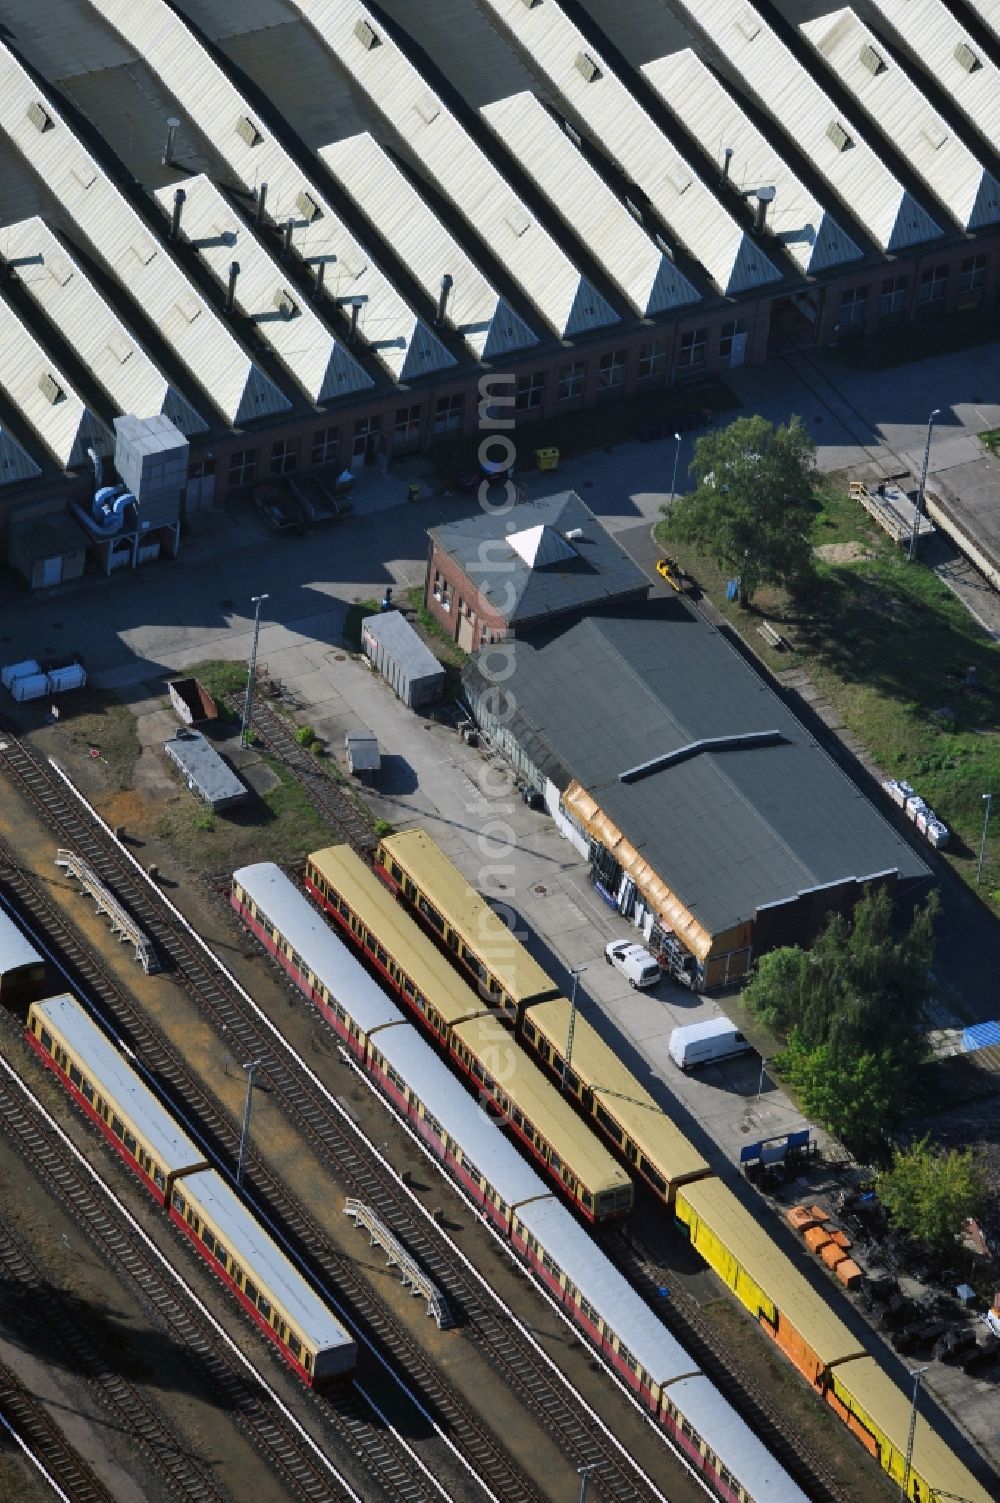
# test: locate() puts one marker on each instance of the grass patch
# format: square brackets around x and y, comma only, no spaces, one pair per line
[221,679]
[907,342]
[594,427]
[112,730]
[990,439]
[356,613]
[890,647]
[444,647]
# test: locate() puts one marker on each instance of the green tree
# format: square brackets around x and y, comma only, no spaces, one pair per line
[850,1093]
[930,1194]
[753,503]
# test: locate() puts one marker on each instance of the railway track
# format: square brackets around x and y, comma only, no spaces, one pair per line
[41,1436]
[485,1320]
[281,1443]
[326,796]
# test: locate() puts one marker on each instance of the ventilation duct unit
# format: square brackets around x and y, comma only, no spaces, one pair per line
[285,303]
[966,58]
[37,116]
[366,35]
[587,68]
[871,59]
[447,283]
[838,135]
[247,131]
[307,207]
[765,197]
[727,163]
[50,388]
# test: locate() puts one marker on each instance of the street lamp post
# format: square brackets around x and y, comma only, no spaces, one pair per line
[760,1083]
[916,1375]
[585,1472]
[257,601]
[677,455]
[988,801]
[251,1067]
[572,1027]
[923,481]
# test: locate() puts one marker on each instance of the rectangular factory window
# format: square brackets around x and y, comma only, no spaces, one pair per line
[208,1239]
[530,391]
[242,467]
[307,1361]
[655,1179]
[693,346]
[250,1290]
[852,305]
[178,1202]
[406,428]
[158,1179]
[609,1125]
[892,301]
[652,359]
[973,274]
[117,1126]
[571,379]
[46,1040]
[728,334]
[325,447]
[933,284]
[284,456]
[88,1091]
[611,370]
[294,1345]
[448,413]
[264,1306]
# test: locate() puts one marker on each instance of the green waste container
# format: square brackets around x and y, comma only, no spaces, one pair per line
[547,459]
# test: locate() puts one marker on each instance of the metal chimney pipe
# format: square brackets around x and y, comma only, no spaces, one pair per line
[320,277]
[175,222]
[286,243]
[356,306]
[765,196]
[447,283]
[727,162]
[234,271]
[173,125]
[261,200]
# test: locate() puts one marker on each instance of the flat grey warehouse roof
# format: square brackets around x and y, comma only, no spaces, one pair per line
[731,827]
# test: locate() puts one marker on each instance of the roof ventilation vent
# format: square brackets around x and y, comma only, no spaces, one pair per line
[749,24]
[366,35]
[84,171]
[247,131]
[427,107]
[37,116]
[307,207]
[871,59]
[120,348]
[188,307]
[530,4]
[518,220]
[285,303]
[934,132]
[50,388]
[678,176]
[586,66]
[59,269]
[144,249]
[966,58]
[838,135]
[574,534]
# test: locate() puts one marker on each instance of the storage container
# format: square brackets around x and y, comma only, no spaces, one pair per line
[18,670]
[32,686]
[73,676]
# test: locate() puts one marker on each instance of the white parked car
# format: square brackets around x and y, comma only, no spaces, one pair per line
[634,961]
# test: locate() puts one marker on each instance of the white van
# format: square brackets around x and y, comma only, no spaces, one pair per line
[634,961]
[706,1044]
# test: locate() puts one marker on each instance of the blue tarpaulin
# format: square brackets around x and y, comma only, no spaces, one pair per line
[980,1036]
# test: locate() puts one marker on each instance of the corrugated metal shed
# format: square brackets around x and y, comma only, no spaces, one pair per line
[733,1442]
[461,1116]
[284,320]
[899,110]
[326,955]
[602,1286]
[727,831]
[632,260]
[54,279]
[119,1084]
[835,147]
[15,462]
[402,658]
[401,341]
[46,398]
[203,769]
[388,199]
[606,109]
[459,168]
[940,44]
[796,219]
[182,317]
[248,1242]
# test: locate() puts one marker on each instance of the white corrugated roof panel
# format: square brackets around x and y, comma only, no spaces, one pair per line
[940,43]
[810,235]
[894,103]
[15,462]
[612,116]
[285,321]
[627,254]
[987,11]
[71,302]
[182,316]
[809,117]
[388,199]
[45,397]
[460,169]
[236,131]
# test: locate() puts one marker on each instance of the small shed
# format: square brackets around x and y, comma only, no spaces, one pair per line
[22,969]
[363,757]
[204,771]
[47,550]
[409,667]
